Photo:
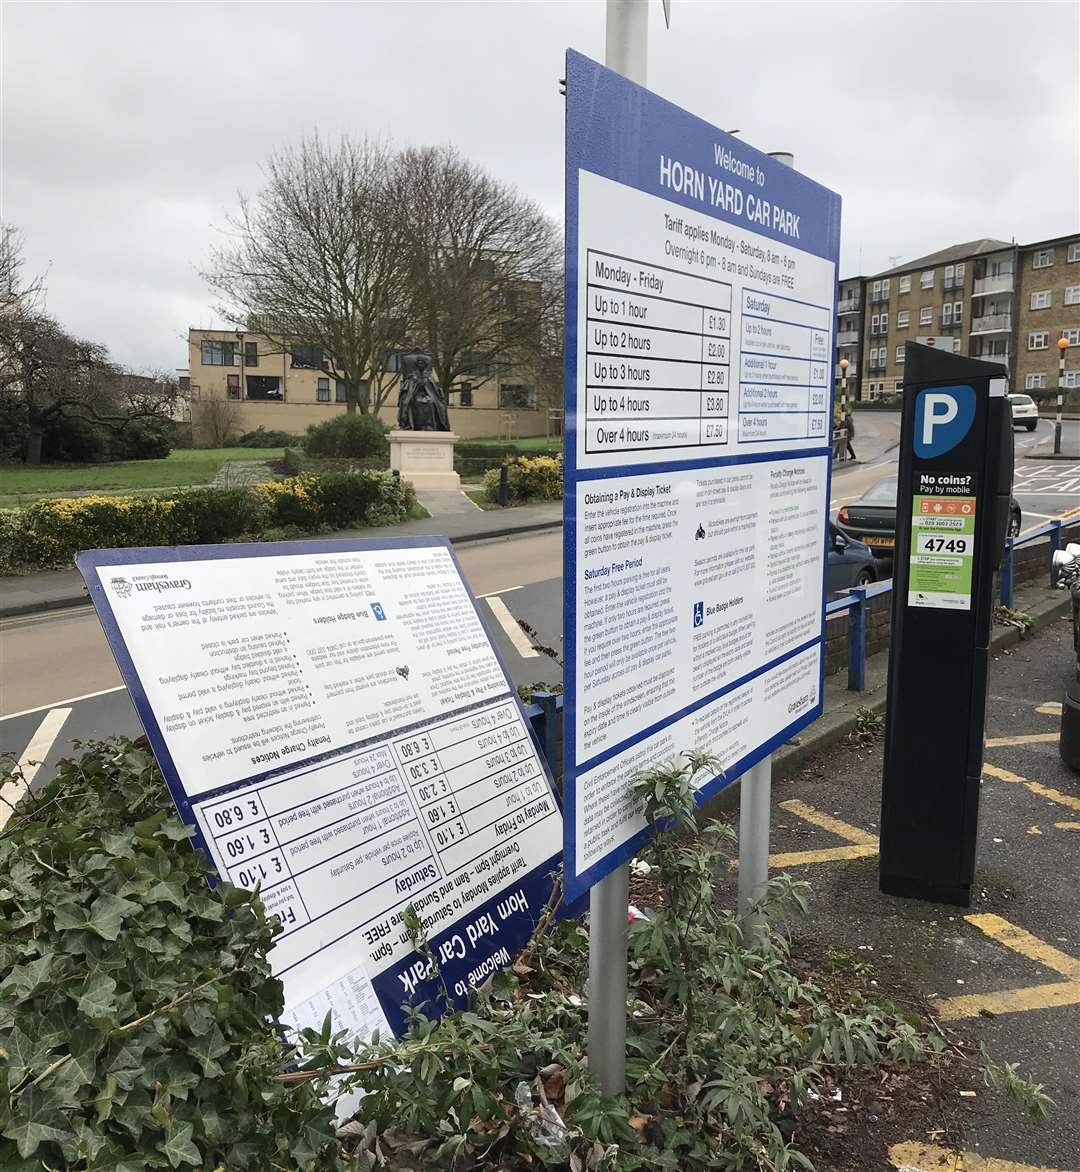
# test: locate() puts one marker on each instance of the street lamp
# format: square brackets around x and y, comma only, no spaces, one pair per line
[1063,345]
[844,364]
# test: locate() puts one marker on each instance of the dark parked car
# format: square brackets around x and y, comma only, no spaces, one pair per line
[872,518]
[850,562]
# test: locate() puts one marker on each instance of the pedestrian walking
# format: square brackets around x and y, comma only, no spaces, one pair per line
[849,428]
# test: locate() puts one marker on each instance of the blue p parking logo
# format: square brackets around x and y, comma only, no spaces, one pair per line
[943,416]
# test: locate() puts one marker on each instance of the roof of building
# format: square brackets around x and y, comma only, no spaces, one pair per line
[1067,239]
[948,255]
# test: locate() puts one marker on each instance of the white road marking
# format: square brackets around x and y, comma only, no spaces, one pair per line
[510,626]
[504,590]
[30,762]
[58,703]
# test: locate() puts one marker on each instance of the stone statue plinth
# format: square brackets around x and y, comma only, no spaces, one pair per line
[426,458]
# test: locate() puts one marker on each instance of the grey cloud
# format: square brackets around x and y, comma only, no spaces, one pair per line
[127,129]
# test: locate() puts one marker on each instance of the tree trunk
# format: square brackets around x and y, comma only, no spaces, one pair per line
[33,444]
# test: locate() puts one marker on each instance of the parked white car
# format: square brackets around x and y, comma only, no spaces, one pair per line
[1024,411]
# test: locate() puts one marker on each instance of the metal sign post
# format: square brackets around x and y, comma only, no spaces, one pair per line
[625,51]
[952,508]
[700,303]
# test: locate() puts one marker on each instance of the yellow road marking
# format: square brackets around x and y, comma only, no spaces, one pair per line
[828,822]
[1050,709]
[1067,825]
[1023,942]
[1046,996]
[862,845]
[916,1157]
[1030,739]
[1044,791]
[829,855]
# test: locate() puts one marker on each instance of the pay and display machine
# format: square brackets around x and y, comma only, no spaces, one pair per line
[952,510]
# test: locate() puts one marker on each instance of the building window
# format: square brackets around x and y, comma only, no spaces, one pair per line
[232,386]
[898,386]
[1042,259]
[1035,382]
[884,323]
[307,357]
[322,390]
[1071,336]
[1074,252]
[952,313]
[1040,340]
[465,395]
[903,317]
[1071,379]
[875,321]
[218,353]
[1041,300]
[926,315]
[905,283]
[946,314]
[926,281]
[265,387]
[1072,294]
[251,353]
[517,397]
[340,393]
[899,355]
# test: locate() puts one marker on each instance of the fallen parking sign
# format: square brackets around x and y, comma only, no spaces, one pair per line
[332,718]
[700,302]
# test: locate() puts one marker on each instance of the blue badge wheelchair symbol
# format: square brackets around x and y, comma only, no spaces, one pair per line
[943,416]
[699,614]
[378,612]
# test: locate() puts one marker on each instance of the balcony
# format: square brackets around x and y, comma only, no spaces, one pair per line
[852,371]
[994,323]
[1003,283]
[852,305]
[1002,358]
[847,338]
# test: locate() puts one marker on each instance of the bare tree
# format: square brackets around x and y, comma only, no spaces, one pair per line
[45,373]
[316,259]
[218,421]
[481,261]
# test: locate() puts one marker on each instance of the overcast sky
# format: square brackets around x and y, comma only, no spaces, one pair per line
[128,128]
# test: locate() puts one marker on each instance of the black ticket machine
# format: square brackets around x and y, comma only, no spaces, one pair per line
[952,512]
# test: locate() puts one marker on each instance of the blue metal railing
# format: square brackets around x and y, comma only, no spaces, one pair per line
[1051,529]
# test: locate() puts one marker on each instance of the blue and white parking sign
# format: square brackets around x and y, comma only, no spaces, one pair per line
[700,301]
[943,416]
[347,757]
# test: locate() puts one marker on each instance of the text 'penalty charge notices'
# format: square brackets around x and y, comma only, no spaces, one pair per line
[700,304]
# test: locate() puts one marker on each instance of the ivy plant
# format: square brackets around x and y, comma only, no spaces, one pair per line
[136,1002]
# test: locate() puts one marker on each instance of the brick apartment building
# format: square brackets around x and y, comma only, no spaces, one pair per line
[996,300]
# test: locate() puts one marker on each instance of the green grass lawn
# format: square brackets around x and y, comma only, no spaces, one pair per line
[530,443]
[192,466]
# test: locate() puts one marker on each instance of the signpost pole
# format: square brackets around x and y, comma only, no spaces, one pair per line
[626,40]
[755,798]
[1063,345]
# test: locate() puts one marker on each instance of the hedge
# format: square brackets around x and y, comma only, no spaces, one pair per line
[531,478]
[51,532]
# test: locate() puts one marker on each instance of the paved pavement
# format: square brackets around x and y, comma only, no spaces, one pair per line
[1006,971]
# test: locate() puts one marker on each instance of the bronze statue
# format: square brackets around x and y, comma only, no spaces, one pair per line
[421,405]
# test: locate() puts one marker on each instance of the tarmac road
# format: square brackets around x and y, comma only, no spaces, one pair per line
[1005,971]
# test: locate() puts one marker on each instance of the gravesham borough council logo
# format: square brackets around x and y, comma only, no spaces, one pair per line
[122,588]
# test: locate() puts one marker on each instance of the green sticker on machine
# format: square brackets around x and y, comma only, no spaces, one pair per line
[942,551]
